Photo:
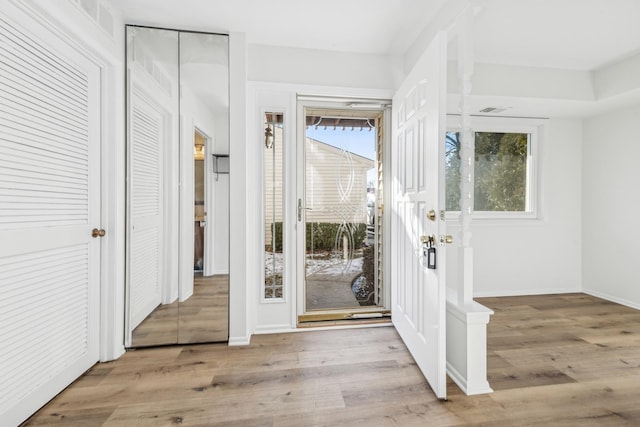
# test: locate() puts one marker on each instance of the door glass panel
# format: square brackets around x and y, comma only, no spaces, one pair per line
[341,192]
[273,196]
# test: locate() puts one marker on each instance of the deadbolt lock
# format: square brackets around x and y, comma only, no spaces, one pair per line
[431,215]
[446,239]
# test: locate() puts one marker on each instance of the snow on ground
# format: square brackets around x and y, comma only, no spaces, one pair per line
[274,263]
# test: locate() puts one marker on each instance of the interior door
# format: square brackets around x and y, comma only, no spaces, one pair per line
[49,204]
[145,202]
[418,293]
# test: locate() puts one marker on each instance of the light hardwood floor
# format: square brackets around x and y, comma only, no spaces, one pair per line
[204,317]
[559,360]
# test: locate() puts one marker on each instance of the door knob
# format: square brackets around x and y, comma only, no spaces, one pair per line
[427,240]
[98,232]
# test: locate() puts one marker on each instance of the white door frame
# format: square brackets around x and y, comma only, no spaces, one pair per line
[281,316]
[209,203]
[333,102]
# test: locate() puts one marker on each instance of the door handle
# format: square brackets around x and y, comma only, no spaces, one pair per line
[301,208]
[98,233]
[428,240]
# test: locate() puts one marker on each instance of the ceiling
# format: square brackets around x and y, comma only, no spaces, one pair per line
[368,26]
[564,34]
[552,36]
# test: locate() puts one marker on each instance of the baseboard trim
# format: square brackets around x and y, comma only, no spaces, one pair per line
[612,298]
[469,390]
[526,292]
[274,329]
[239,341]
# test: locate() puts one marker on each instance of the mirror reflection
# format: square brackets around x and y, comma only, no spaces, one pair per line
[178,199]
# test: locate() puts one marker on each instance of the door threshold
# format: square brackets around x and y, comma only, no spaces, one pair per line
[344,316]
[345,322]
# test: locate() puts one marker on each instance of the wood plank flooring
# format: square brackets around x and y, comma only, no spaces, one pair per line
[204,317]
[556,360]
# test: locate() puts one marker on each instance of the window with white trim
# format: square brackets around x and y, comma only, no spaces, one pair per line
[503,168]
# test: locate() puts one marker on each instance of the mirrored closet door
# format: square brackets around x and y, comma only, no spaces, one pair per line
[177,187]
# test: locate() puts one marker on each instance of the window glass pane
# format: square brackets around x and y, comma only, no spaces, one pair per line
[452,171]
[500,170]
[273,146]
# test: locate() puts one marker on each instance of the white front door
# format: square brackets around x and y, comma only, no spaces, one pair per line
[49,204]
[418,292]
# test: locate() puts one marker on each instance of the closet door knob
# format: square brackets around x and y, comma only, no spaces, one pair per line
[98,233]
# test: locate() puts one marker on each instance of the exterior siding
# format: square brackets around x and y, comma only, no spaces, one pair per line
[336,184]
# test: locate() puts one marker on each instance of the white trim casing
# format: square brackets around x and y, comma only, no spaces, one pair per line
[240,292]
[280,315]
[535,128]
[257,143]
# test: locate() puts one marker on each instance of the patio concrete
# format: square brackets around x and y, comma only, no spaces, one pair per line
[330,287]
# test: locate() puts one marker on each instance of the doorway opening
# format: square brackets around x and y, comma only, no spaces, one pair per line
[199,201]
[340,208]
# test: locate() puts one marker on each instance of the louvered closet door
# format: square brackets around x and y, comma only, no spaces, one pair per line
[49,203]
[145,202]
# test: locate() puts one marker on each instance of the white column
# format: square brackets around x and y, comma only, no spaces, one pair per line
[467,150]
[466,320]
[240,295]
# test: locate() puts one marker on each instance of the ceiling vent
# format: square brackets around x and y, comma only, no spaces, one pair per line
[494,110]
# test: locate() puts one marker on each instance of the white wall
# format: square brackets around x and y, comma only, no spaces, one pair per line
[220,197]
[326,68]
[610,206]
[220,243]
[617,78]
[276,75]
[534,256]
[496,80]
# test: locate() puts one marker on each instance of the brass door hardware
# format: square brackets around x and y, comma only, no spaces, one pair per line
[98,233]
[428,240]
[446,239]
